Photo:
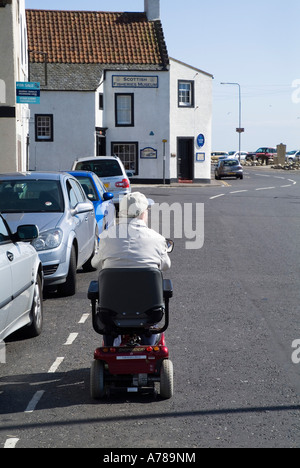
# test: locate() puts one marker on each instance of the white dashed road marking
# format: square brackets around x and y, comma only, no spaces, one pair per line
[240,191]
[84,318]
[35,400]
[11,443]
[217,196]
[55,365]
[71,339]
[293,182]
[265,188]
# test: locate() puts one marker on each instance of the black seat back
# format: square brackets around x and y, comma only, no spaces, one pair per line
[130,299]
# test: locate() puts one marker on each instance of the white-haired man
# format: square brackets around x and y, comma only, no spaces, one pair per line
[132,244]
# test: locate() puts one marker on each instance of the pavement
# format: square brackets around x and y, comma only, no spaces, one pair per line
[213,182]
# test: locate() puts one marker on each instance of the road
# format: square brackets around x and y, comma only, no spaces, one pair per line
[234,317]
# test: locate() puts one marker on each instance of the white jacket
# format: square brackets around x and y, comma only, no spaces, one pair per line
[131,244]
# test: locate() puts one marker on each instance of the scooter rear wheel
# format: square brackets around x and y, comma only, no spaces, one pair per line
[166,380]
[97,387]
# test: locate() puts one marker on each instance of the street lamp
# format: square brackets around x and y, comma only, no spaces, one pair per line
[239,130]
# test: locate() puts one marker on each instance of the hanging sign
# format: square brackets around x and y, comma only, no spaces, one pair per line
[28,93]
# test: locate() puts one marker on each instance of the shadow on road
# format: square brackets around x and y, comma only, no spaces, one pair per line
[68,389]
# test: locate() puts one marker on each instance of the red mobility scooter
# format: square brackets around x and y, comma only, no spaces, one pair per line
[127,305]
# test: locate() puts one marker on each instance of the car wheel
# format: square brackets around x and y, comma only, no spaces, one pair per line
[36,314]
[69,287]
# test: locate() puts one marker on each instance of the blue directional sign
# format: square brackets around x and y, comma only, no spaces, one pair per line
[28,93]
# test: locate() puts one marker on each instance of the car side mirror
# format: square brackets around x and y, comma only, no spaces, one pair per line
[108,196]
[84,207]
[27,233]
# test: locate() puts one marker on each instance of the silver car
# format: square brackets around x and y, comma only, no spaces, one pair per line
[21,279]
[110,170]
[57,204]
[229,168]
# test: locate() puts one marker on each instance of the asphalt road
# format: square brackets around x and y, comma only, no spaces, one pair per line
[234,317]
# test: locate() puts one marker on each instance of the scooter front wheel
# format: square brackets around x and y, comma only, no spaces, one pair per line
[166,379]
[97,386]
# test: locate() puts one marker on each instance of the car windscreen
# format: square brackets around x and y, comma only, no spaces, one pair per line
[230,162]
[31,196]
[103,168]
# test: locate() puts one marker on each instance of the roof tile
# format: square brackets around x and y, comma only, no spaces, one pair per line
[95,37]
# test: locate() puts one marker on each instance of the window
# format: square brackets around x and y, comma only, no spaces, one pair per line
[89,188]
[127,152]
[75,192]
[31,196]
[124,104]
[186,94]
[104,168]
[4,235]
[101,101]
[44,127]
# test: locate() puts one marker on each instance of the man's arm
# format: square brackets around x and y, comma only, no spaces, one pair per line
[165,259]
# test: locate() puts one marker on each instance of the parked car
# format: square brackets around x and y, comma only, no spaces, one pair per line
[293,156]
[236,155]
[229,168]
[264,154]
[216,155]
[21,279]
[221,158]
[110,170]
[57,203]
[102,200]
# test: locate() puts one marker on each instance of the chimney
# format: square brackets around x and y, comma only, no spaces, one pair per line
[152,9]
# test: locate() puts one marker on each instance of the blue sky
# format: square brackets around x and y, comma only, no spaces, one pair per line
[256,44]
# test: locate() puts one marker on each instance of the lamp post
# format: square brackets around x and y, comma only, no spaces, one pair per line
[239,130]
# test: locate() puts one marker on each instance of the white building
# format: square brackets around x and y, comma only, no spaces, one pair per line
[14,117]
[190,122]
[109,87]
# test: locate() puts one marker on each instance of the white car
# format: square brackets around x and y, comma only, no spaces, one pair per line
[293,156]
[235,155]
[110,170]
[21,280]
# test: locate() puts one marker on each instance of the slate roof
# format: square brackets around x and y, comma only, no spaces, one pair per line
[88,37]
[67,76]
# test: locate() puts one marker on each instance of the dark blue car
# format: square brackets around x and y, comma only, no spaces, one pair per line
[102,200]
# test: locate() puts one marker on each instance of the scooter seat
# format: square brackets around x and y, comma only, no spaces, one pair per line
[130,299]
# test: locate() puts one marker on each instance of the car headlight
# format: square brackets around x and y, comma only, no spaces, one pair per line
[48,240]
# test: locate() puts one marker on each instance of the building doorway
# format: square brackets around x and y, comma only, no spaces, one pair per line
[100,141]
[185,151]
[101,146]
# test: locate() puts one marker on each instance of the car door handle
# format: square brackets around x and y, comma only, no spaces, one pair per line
[10,256]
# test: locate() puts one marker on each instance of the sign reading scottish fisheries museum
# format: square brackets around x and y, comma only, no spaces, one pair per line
[130,81]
